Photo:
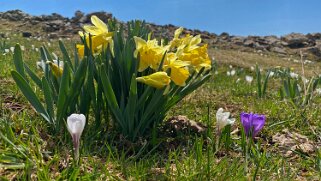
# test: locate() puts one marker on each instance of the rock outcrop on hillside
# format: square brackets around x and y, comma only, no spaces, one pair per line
[56,26]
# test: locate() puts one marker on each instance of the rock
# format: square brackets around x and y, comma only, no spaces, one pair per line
[26,34]
[238,40]
[314,50]
[279,50]
[296,40]
[53,35]
[184,125]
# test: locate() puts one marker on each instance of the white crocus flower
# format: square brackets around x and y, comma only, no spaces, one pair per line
[318,91]
[233,72]
[249,79]
[237,80]
[75,125]
[294,75]
[222,119]
[271,74]
[6,50]
[252,68]
[12,49]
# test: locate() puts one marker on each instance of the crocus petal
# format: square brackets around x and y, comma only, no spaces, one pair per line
[258,123]
[246,122]
[76,124]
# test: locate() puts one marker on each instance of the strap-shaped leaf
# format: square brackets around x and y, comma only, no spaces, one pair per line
[33,76]
[131,104]
[29,94]
[48,98]
[65,54]
[63,92]
[18,62]
[110,96]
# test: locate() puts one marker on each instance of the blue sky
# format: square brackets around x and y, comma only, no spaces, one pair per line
[237,17]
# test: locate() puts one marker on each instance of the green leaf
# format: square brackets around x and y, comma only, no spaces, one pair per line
[18,62]
[29,94]
[65,54]
[48,98]
[62,96]
[33,76]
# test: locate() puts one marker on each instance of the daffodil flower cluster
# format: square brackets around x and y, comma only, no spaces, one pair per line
[96,37]
[180,57]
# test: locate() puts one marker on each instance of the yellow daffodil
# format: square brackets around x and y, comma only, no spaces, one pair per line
[57,71]
[97,44]
[157,80]
[150,53]
[179,69]
[100,36]
[198,57]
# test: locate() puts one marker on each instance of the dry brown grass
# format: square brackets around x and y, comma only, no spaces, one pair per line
[248,59]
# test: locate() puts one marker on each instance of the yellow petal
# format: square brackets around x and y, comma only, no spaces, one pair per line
[157,80]
[99,23]
[93,30]
[178,32]
[80,50]
[179,75]
[57,71]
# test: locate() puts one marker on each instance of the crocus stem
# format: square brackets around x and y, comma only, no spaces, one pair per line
[75,140]
[217,141]
[246,156]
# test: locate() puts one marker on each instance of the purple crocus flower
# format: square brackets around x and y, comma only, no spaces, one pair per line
[252,123]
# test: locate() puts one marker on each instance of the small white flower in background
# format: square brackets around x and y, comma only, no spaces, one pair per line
[12,49]
[61,63]
[294,75]
[22,48]
[32,47]
[37,49]
[305,80]
[60,39]
[252,68]
[228,73]
[216,72]
[6,50]
[68,38]
[271,74]
[213,58]
[49,44]
[42,64]
[8,38]
[233,72]
[75,125]
[299,88]
[39,38]
[249,79]
[238,80]
[261,70]
[231,66]
[223,119]
[318,91]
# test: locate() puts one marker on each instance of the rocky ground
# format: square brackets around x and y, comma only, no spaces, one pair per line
[57,26]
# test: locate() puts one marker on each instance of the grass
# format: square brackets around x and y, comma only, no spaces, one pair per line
[28,152]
